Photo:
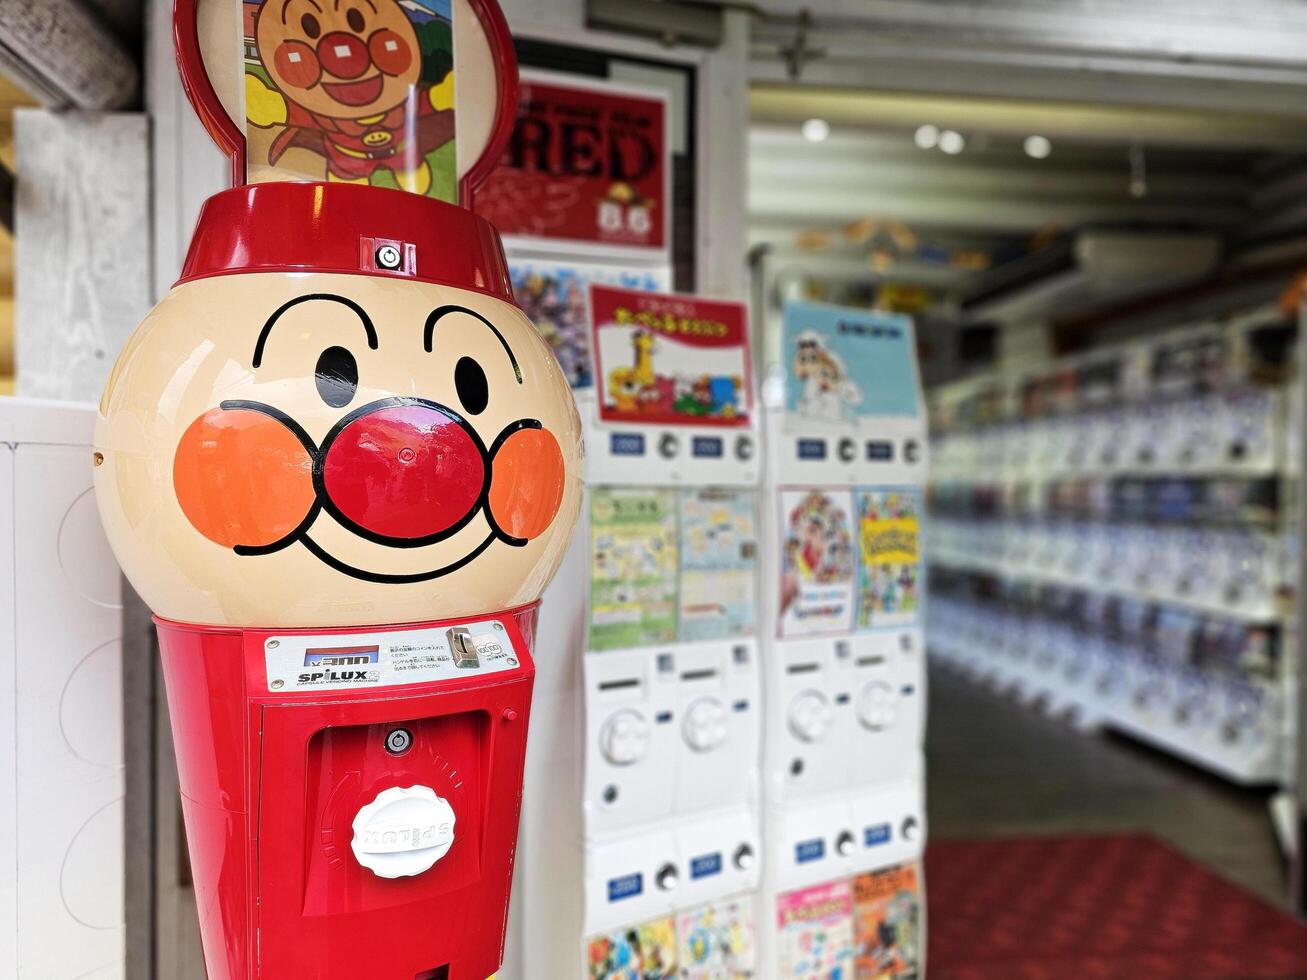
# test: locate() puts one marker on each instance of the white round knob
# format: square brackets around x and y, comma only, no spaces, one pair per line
[667,877]
[878,706]
[624,739]
[811,716]
[705,724]
[403,832]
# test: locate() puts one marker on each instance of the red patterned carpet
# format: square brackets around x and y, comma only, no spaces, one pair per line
[1097,908]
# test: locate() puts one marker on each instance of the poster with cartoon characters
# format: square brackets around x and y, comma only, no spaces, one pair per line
[843,365]
[588,168]
[633,567]
[718,942]
[818,562]
[360,91]
[889,552]
[887,924]
[719,558]
[644,952]
[666,359]
[556,296]
[815,933]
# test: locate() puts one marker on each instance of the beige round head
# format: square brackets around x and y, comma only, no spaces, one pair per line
[302,450]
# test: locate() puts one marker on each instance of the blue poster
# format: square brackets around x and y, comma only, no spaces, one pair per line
[842,365]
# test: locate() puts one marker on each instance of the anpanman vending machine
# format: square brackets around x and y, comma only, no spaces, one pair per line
[340,466]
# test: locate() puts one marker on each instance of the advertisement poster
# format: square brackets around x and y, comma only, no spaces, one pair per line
[843,365]
[646,952]
[719,557]
[633,568]
[587,164]
[815,933]
[889,549]
[817,562]
[887,924]
[374,106]
[670,360]
[556,298]
[718,942]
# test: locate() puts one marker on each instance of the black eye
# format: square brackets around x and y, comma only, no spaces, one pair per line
[356,21]
[337,376]
[311,26]
[470,381]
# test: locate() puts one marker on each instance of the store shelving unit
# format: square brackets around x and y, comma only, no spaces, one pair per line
[1111,540]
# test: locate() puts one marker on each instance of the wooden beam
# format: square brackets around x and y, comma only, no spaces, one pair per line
[60,51]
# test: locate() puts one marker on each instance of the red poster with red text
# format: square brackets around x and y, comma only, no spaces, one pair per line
[587,164]
[670,360]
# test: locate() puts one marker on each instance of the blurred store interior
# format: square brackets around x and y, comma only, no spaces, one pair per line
[1094,216]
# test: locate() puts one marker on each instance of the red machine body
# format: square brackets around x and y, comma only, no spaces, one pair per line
[271,783]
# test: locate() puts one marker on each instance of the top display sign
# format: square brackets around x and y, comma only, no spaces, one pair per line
[665,359]
[587,165]
[844,365]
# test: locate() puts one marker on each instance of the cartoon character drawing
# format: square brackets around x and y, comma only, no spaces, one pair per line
[624,389]
[828,393]
[643,343]
[351,81]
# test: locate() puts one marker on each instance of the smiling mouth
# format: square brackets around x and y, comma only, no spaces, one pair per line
[345,569]
[356,94]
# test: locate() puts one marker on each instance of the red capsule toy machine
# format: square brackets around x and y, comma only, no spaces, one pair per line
[341,467]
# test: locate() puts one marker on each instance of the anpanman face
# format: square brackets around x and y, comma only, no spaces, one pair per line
[309,450]
[345,59]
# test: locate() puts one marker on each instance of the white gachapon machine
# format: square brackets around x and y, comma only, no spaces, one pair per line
[843,647]
[641,835]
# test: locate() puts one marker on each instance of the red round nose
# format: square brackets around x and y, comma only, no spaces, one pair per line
[404,472]
[344,55]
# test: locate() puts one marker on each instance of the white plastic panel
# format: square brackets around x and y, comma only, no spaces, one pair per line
[62,793]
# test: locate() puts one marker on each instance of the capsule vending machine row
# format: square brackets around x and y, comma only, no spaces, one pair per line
[340,466]
[843,647]
[644,857]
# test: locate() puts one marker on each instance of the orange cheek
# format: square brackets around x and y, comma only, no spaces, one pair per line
[242,478]
[526,489]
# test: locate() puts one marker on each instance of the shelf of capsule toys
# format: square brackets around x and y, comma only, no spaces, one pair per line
[843,761]
[651,756]
[1150,598]
[340,468]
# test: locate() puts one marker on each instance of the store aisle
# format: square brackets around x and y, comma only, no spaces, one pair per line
[995,769]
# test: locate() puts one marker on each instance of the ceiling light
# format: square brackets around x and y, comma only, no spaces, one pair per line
[816,130]
[927,137]
[952,142]
[1038,147]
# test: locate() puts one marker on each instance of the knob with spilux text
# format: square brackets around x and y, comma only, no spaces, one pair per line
[403,832]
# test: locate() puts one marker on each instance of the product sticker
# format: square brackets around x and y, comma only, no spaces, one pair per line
[718,942]
[633,568]
[555,296]
[815,933]
[644,952]
[360,93]
[818,557]
[719,557]
[887,924]
[889,572]
[670,360]
[362,660]
[842,365]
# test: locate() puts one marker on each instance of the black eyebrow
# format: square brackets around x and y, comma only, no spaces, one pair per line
[443,311]
[328,297]
[286,6]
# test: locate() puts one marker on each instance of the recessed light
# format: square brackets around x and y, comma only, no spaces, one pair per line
[927,137]
[1038,147]
[952,142]
[816,130]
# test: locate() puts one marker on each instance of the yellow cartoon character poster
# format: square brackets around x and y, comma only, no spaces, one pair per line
[889,573]
[352,90]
